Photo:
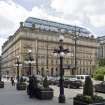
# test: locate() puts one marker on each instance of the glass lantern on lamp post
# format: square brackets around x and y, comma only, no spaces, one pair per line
[30,61]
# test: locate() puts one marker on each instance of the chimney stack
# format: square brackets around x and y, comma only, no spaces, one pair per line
[21,24]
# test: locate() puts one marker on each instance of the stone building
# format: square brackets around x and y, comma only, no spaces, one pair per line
[42,37]
[101,47]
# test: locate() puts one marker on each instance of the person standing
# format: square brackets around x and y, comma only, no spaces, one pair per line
[12,81]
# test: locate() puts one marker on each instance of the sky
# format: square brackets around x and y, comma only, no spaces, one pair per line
[86,13]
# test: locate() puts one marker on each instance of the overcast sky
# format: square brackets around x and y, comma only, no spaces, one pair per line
[86,13]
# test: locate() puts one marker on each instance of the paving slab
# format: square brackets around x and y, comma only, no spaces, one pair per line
[10,96]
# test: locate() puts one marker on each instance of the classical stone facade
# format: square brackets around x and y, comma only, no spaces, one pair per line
[101,47]
[42,37]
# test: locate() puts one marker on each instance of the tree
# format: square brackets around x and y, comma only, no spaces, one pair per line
[100,70]
[45,83]
[88,87]
[99,74]
[102,62]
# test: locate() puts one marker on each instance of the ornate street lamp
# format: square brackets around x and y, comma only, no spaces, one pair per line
[18,64]
[30,61]
[61,52]
[75,38]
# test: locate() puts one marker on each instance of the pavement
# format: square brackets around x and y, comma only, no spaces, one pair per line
[10,96]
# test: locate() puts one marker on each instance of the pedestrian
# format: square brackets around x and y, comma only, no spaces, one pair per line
[12,81]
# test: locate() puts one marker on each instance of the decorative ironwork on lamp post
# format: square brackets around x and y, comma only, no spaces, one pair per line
[18,63]
[37,55]
[37,68]
[30,61]
[47,55]
[75,38]
[61,52]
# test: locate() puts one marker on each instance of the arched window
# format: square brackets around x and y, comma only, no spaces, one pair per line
[42,71]
[56,71]
[52,71]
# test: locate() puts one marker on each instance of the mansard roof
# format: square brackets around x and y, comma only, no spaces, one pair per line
[54,26]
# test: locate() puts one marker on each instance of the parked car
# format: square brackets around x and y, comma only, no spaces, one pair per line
[71,77]
[72,84]
[52,80]
[39,78]
[82,78]
[100,87]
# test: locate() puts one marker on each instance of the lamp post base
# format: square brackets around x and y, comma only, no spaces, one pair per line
[61,99]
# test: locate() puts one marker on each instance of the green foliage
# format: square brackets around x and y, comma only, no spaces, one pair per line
[102,62]
[33,81]
[99,77]
[45,83]
[99,74]
[89,99]
[98,98]
[87,96]
[88,87]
